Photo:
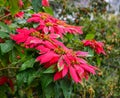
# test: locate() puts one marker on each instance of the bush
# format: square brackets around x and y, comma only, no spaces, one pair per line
[39,60]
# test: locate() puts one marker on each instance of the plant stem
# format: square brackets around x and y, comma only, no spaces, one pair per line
[5,68]
[5,16]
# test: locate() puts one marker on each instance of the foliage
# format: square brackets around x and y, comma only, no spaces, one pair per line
[102,26]
[31,79]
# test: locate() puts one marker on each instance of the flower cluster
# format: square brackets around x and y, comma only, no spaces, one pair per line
[97,46]
[52,52]
[49,24]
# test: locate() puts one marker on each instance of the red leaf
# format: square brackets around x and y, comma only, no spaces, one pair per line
[57,76]
[4,80]
[74,74]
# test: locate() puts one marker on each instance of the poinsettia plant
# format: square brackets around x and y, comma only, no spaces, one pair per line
[37,58]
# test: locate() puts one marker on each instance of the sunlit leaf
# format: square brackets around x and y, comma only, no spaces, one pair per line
[51,69]
[28,64]
[48,10]
[90,36]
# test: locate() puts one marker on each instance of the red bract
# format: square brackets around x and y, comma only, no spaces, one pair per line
[8,22]
[2,40]
[32,38]
[43,38]
[19,15]
[21,3]
[55,52]
[4,80]
[22,35]
[67,61]
[49,24]
[97,46]
[45,3]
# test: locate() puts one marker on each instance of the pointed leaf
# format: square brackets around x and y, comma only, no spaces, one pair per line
[28,64]
[7,46]
[73,74]
[37,4]
[48,10]
[4,34]
[51,69]
[26,76]
[46,79]
[4,27]
[49,91]
[66,88]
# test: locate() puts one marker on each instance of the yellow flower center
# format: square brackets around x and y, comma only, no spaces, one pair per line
[49,24]
[59,50]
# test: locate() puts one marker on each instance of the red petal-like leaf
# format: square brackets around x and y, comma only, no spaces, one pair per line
[57,76]
[74,74]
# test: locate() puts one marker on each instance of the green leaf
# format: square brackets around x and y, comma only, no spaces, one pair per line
[36,4]
[48,10]
[4,61]
[51,69]
[7,46]
[2,94]
[90,36]
[46,79]
[66,88]
[4,34]
[69,37]
[25,77]
[4,27]
[98,61]
[13,55]
[49,91]
[28,64]
[90,51]
[14,8]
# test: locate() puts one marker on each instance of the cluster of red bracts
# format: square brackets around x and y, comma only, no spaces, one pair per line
[53,52]
[4,80]
[97,46]
[49,24]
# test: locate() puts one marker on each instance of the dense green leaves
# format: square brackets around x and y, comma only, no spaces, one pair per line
[46,79]
[4,34]
[7,46]
[2,2]
[2,94]
[25,77]
[49,91]
[36,4]
[66,87]
[4,27]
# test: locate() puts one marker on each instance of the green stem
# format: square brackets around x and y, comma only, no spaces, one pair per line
[5,68]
